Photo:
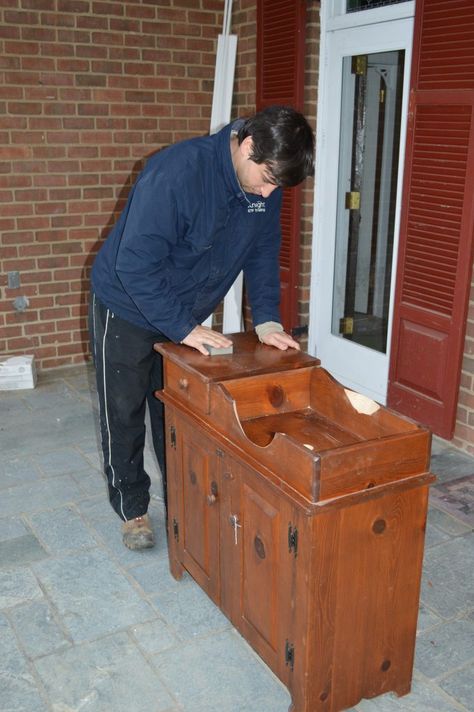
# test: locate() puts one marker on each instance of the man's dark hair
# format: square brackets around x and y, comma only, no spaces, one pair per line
[283,140]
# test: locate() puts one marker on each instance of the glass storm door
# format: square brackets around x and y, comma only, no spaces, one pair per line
[367,192]
[357,209]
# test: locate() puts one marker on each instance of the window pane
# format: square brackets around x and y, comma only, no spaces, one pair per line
[356,5]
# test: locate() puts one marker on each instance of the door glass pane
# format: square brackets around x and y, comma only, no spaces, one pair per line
[356,5]
[372,89]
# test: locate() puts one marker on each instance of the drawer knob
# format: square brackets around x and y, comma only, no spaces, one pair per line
[379,526]
[276,396]
[212,497]
[183,383]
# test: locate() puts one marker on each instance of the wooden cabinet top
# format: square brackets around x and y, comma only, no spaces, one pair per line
[249,357]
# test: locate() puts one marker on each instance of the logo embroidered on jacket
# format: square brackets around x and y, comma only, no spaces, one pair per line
[258,207]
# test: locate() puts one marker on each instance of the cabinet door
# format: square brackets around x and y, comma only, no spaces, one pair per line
[198,503]
[257,567]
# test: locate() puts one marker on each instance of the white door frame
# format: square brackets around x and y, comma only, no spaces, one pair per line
[358,367]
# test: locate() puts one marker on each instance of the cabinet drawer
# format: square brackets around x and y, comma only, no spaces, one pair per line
[187,386]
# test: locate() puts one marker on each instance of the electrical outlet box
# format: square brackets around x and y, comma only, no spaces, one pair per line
[13,280]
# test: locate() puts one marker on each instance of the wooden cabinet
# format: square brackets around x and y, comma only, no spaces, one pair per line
[300,508]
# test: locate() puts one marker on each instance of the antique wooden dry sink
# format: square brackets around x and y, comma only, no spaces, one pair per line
[300,508]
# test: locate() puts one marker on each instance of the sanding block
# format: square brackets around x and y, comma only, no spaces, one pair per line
[219,351]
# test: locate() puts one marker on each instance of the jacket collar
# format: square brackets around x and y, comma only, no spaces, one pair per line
[225,157]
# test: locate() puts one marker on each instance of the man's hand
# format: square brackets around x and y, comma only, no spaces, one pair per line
[281,340]
[203,335]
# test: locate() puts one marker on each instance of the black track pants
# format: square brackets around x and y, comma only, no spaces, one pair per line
[128,371]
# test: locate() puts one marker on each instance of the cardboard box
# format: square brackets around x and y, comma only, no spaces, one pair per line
[17,372]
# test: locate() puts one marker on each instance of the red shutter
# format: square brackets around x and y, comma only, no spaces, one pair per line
[437,223]
[280,80]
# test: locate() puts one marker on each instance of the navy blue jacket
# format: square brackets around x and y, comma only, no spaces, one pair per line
[186,232]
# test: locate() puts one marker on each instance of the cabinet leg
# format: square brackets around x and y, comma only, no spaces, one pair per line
[403,689]
[296,707]
[310,703]
[176,569]
[299,704]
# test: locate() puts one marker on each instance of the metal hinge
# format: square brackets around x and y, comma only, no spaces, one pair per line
[359,64]
[352,201]
[289,654]
[346,325]
[173,437]
[293,540]
[175,529]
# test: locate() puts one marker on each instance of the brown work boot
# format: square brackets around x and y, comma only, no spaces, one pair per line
[138,534]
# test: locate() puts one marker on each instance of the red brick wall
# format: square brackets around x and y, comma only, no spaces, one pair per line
[88,90]
[310,105]
[464,431]
[244,24]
